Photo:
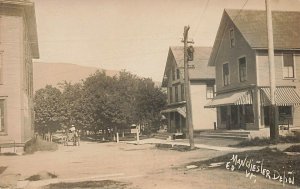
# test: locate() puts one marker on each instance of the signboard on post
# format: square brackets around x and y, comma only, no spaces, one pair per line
[134,130]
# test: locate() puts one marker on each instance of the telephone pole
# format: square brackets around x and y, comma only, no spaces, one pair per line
[273,115]
[189,118]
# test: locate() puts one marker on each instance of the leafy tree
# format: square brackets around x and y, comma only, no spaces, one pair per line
[150,101]
[71,111]
[47,107]
[100,102]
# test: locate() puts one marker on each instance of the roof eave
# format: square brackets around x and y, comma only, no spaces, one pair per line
[17,2]
[32,29]
[266,48]
[217,42]
[30,19]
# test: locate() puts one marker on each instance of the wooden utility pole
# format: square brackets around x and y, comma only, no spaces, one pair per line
[273,115]
[189,118]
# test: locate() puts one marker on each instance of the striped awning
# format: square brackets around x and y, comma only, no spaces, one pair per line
[180,110]
[234,98]
[284,96]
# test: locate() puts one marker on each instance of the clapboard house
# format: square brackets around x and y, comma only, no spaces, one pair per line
[18,46]
[240,58]
[202,86]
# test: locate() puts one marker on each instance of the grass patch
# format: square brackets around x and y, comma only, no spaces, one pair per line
[41,176]
[273,159]
[8,154]
[179,148]
[267,141]
[294,148]
[104,184]
[37,144]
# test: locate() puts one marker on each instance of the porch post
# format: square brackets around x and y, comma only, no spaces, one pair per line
[219,121]
[256,108]
[239,116]
[228,121]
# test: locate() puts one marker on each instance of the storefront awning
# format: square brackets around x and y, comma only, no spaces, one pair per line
[180,110]
[235,98]
[284,96]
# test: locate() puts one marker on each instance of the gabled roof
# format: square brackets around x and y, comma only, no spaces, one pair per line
[252,24]
[30,21]
[201,56]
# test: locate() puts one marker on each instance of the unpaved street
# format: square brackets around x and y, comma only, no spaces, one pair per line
[143,166]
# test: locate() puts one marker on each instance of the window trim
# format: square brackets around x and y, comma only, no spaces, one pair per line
[223,81]
[238,61]
[294,67]
[232,45]
[5,116]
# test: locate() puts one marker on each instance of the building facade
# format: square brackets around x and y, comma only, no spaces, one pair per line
[18,45]
[202,86]
[240,57]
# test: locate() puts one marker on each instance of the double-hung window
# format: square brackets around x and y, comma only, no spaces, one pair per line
[288,65]
[242,69]
[231,38]
[226,79]
[2,115]
[176,94]
[209,91]
[182,92]
[1,67]
[177,74]
[170,95]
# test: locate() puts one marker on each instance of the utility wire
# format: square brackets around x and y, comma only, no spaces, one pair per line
[201,17]
[240,10]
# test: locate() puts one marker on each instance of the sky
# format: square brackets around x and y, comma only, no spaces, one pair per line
[134,35]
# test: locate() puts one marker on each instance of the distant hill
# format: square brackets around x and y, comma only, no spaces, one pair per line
[54,73]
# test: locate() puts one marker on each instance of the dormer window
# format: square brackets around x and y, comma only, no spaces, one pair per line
[231,38]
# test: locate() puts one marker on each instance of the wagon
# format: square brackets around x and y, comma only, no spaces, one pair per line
[69,139]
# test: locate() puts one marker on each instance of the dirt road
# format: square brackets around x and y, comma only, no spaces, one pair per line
[143,166]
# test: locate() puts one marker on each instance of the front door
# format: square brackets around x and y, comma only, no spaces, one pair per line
[266,116]
[234,118]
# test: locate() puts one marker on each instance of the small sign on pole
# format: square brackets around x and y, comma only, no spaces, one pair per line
[135,129]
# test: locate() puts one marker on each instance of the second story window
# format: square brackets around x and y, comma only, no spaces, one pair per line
[242,69]
[231,38]
[170,95]
[1,68]
[209,91]
[182,92]
[178,74]
[226,79]
[173,73]
[176,94]
[288,65]
[2,126]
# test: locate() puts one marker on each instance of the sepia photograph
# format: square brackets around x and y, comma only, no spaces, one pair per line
[149,94]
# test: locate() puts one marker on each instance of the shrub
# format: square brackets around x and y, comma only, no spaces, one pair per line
[37,144]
